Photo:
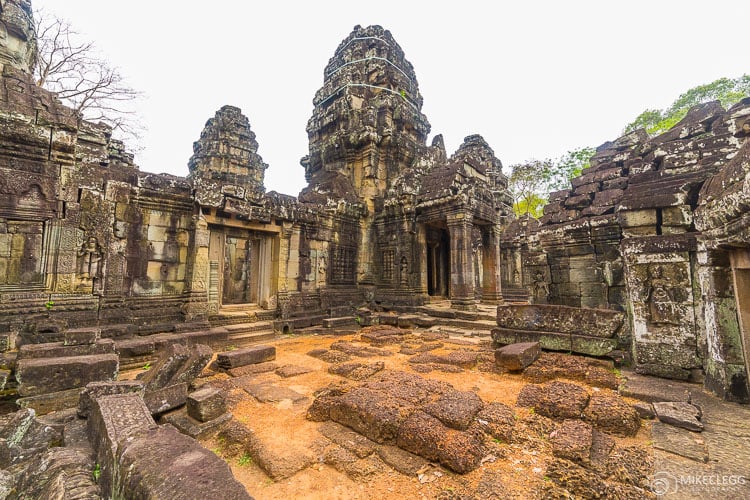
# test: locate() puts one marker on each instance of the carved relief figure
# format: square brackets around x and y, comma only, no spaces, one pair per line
[662,307]
[539,288]
[89,264]
[404,271]
[322,269]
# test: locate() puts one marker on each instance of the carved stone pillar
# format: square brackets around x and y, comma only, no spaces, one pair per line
[197,304]
[491,287]
[462,271]
[421,286]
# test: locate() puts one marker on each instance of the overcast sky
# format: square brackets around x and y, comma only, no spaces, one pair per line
[535,78]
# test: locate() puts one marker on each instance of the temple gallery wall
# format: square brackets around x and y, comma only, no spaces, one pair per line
[656,228]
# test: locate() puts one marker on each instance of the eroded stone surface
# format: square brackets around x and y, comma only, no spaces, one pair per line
[555,399]
[517,356]
[679,414]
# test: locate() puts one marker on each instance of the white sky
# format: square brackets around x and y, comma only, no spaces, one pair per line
[535,78]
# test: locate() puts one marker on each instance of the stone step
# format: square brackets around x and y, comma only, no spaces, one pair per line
[249,338]
[342,321]
[254,326]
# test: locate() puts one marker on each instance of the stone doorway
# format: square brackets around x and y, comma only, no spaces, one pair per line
[740,260]
[438,262]
[240,271]
[243,266]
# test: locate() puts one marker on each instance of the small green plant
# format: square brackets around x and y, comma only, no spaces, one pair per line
[532,410]
[230,348]
[496,441]
[403,93]
[617,372]
[147,366]
[245,459]
[358,320]
[49,304]
[97,472]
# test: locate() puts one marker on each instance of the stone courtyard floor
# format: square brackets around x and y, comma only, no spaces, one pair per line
[277,451]
[284,443]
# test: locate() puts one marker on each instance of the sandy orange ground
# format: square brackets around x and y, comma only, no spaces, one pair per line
[522,464]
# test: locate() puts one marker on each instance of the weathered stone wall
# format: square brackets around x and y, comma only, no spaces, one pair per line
[630,235]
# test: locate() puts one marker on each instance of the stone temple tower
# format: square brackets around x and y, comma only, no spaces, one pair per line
[17,35]
[225,166]
[367,125]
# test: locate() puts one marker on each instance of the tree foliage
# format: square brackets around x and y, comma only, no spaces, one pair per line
[82,80]
[727,91]
[527,185]
[533,180]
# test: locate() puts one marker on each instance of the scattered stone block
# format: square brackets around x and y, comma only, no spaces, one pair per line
[171,360]
[251,369]
[277,462]
[4,376]
[53,401]
[610,413]
[374,414]
[516,357]
[206,404]
[60,350]
[426,436]
[679,441]
[81,336]
[287,371]
[95,390]
[330,356]
[404,462]
[555,399]
[456,409]
[572,441]
[248,356]
[497,420]
[356,371]
[196,429]
[679,414]
[644,410]
[14,430]
[166,398]
[347,438]
[112,419]
[163,463]
[359,350]
[45,375]
[59,473]
[269,393]
[358,469]
[199,357]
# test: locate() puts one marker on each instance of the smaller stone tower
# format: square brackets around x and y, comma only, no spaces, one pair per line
[225,163]
[18,47]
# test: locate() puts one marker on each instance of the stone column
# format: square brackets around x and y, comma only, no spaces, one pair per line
[421,286]
[462,271]
[197,305]
[287,269]
[491,287]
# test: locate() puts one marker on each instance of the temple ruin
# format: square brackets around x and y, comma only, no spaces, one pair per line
[645,259]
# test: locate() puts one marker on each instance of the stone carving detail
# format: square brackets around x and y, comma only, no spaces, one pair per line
[89,266]
[322,268]
[404,271]
[539,288]
[661,303]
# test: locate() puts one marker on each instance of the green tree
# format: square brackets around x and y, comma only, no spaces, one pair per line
[528,185]
[727,91]
[569,165]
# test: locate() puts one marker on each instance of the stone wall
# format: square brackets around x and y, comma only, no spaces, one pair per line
[635,233]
